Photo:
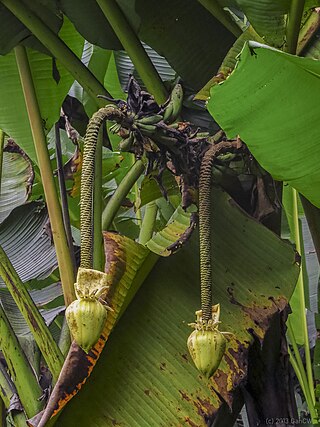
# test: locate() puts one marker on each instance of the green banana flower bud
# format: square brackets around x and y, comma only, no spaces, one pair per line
[206,344]
[207,349]
[86,319]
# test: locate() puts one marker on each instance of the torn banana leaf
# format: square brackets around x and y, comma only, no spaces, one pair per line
[16,180]
[176,233]
[26,238]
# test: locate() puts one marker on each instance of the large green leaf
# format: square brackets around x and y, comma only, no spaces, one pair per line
[40,297]
[50,94]
[271,101]
[145,376]
[25,237]
[16,180]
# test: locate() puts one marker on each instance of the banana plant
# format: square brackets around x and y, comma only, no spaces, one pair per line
[163,384]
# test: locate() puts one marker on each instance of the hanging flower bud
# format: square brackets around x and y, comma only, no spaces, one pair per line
[206,349]
[86,319]
[87,315]
[206,343]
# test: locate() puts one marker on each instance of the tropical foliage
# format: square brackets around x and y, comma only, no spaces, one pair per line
[243,85]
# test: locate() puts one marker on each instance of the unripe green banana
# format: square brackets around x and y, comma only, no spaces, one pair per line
[168,113]
[115,128]
[177,99]
[127,143]
[150,120]
[147,130]
[173,109]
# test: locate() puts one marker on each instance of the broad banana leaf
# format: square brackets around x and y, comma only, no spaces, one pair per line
[41,297]
[145,376]
[25,237]
[50,93]
[271,101]
[16,180]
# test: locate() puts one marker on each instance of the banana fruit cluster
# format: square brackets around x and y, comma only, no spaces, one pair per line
[87,315]
[150,125]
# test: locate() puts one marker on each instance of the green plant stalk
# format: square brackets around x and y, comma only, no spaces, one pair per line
[59,49]
[123,189]
[304,387]
[21,372]
[7,390]
[303,380]
[310,27]
[313,217]
[57,226]
[302,301]
[49,349]
[1,154]
[217,11]
[148,222]
[97,207]
[64,198]
[136,196]
[136,203]
[134,49]
[293,25]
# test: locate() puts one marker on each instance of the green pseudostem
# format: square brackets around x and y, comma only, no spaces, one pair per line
[109,112]
[205,224]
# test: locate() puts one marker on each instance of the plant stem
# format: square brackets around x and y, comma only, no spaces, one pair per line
[134,49]
[293,25]
[59,49]
[304,387]
[64,198]
[217,11]
[123,189]
[58,232]
[298,361]
[32,316]
[97,207]
[313,217]
[147,225]
[300,286]
[7,391]
[1,154]
[21,372]
[136,196]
